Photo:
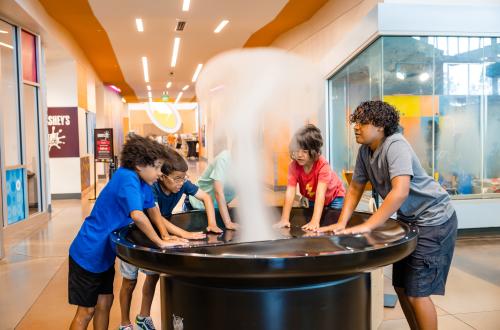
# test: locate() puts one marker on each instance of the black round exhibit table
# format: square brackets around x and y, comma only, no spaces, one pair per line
[299,281]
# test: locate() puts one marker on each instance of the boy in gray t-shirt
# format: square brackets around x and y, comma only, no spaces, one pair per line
[388,162]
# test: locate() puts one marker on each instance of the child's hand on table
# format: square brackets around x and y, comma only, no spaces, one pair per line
[282,224]
[336,228]
[194,235]
[311,226]
[232,226]
[214,229]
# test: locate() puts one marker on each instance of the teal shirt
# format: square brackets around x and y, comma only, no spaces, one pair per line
[218,170]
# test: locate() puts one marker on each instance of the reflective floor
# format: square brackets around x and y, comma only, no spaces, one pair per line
[33,277]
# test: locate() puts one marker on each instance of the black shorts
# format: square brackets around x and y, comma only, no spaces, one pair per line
[424,272]
[84,287]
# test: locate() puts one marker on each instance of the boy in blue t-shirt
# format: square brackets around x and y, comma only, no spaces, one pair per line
[92,254]
[168,191]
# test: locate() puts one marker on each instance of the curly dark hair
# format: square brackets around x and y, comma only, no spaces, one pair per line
[307,138]
[141,151]
[174,162]
[379,114]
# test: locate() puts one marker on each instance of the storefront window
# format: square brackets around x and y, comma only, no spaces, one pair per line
[31,127]
[448,94]
[8,95]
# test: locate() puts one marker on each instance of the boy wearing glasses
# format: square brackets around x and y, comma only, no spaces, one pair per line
[167,191]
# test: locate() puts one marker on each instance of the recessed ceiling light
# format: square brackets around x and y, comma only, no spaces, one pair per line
[185,5]
[6,45]
[197,72]
[185,87]
[139,24]
[145,68]
[169,84]
[221,25]
[148,87]
[175,52]
[116,89]
[424,76]
[178,97]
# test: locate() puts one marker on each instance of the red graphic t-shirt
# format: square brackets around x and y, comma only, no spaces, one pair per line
[308,182]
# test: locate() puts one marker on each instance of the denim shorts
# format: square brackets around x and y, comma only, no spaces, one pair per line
[337,203]
[130,272]
[424,272]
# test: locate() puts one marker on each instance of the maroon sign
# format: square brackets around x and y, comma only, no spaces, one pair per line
[63,132]
[103,139]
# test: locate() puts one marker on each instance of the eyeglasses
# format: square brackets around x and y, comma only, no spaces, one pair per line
[176,179]
[300,152]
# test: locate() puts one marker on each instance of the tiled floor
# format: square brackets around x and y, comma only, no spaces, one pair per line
[33,278]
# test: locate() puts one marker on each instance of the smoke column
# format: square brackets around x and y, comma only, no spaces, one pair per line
[249,91]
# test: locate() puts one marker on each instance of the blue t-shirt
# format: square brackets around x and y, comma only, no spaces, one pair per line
[166,203]
[92,247]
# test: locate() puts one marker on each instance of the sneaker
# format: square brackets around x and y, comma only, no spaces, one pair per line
[145,323]
[126,327]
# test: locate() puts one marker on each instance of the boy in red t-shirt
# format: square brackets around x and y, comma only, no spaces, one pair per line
[317,181]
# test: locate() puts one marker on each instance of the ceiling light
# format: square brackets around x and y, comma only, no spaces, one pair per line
[116,89]
[169,84]
[145,68]
[148,87]
[185,87]
[150,94]
[123,100]
[400,75]
[185,5]
[6,45]
[3,32]
[177,42]
[140,26]
[424,76]
[178,97]
[197,72]
[221,25]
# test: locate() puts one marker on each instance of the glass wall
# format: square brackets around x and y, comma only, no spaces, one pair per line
[20,147]
[447,92]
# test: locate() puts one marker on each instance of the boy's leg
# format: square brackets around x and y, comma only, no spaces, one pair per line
[407,308]
[104,300]
[126,292]
[83,291]
[425,312]
[82,318]
[148,292]
[424,273]
[129,281]
[102,309]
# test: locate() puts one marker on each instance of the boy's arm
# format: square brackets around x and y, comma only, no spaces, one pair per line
[319,203]
[221,202]
[143,223]
[352,199]
[156,218]
[287,207]
[168,227]
[392,202]
[209,209]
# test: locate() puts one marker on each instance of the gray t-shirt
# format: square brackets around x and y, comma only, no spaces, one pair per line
[428,204]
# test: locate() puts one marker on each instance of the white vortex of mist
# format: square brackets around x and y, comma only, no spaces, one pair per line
[247,92]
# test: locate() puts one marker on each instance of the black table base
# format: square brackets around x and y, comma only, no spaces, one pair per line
[310,303]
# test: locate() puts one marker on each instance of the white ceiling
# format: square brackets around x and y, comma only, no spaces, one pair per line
[198,42]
